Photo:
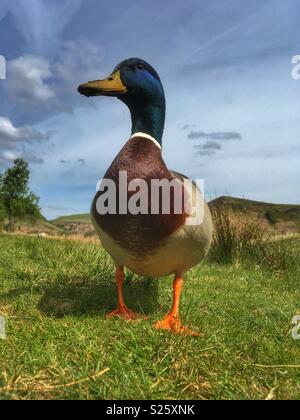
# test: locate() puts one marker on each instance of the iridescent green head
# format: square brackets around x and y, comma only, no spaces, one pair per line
[137,84]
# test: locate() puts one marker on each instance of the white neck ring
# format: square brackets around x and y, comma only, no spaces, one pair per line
[146,136]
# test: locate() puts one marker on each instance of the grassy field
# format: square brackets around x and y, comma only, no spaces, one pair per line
[54,296]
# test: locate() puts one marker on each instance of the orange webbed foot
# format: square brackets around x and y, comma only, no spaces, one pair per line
[171,323]
[124,313]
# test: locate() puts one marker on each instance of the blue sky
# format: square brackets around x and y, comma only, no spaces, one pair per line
[232,105]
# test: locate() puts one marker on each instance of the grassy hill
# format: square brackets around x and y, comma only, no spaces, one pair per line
[76,224]
[75,218]
[275,217]
[281,217]
[34,226]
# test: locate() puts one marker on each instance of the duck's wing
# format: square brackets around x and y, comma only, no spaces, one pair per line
[198,208]
[180,176]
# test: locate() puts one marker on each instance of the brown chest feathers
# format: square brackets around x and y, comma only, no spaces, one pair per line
[140,233]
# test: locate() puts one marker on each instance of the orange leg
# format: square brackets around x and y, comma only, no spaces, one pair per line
[122,311]
[172,321]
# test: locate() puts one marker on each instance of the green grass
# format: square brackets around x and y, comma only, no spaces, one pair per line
[55,294]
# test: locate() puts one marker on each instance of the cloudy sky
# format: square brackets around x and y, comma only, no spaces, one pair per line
[232,105]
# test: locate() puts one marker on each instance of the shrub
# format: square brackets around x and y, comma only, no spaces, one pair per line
[280,256]
[238,237]
[271,217]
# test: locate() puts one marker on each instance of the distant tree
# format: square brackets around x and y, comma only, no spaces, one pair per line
[18,200]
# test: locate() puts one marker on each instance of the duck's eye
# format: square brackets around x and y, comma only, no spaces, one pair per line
[140,66]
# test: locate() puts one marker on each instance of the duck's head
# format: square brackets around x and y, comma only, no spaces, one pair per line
[132,78]
[137,84]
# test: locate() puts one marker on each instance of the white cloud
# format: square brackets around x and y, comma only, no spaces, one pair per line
[43,87]
[14,142]
[28,76]
[9,156]
[9,134]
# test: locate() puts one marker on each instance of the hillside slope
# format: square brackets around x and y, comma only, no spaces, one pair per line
[281,217]
[76,224]
[278,217]
[29,226]
[275,217]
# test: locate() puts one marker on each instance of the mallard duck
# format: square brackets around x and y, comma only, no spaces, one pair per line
[147,243]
